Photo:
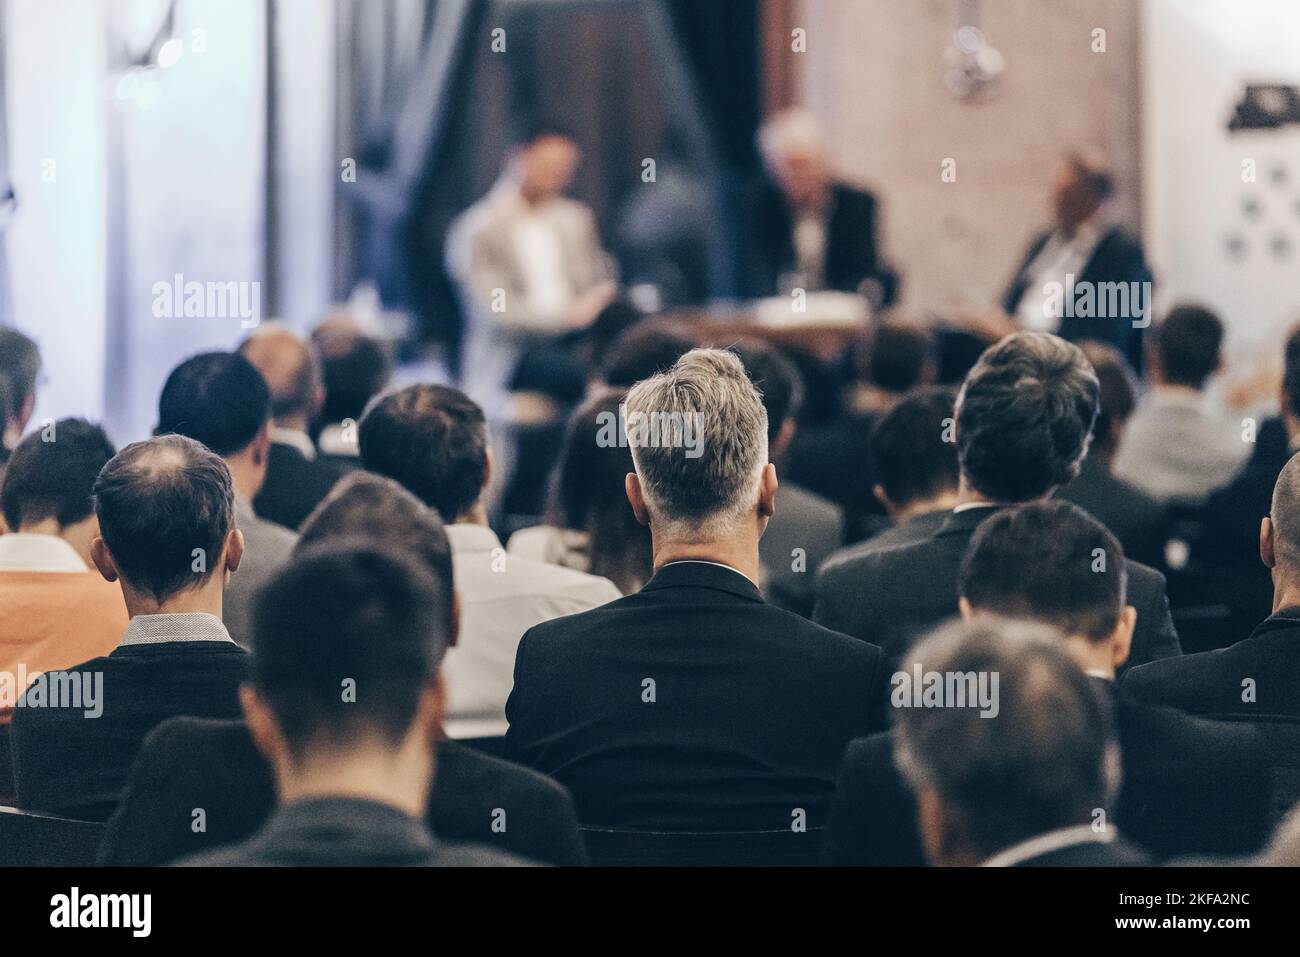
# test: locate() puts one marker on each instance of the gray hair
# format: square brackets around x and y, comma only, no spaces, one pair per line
[698,435]
[1044,761]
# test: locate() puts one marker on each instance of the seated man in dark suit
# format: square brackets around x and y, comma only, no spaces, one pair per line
[693,705]
[1023,418]
[167,533]
[1257,678]
[296,477]
[804,228]
[1027,786]
[1083,253]
[1188,785]
[345,703]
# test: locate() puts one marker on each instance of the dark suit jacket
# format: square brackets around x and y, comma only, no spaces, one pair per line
[1187,786]
[891,597]
[1132,516]
[188,763]
[68,765]
[918,528]
[1094,854]
[691,705]
[802,521]
[852,254]
[348,832]
[1117,257]
[295,484]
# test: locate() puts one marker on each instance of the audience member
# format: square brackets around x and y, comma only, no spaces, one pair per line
[693,704]
[167,534]
[353,773]
[55,611]
[20,364]
[355,368]
[1023,418]
[1178,448]
[219,399]
[590,526]
[1137,519]
[890,361]
[646,349]
[433,441]
[297,478]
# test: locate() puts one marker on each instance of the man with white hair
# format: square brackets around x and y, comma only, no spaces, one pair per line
[806,229]
[693,705]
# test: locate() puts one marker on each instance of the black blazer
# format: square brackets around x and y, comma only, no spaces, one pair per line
[891,597]
[1117,257]
[68,765]
[296,484]
[692,705]
[188,763]
[1132,516]
[348,832]
[852,251]
[1118,853]
[1187,786]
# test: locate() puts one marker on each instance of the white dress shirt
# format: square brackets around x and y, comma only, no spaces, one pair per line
[1060,258]
[1051,841]
[501,597]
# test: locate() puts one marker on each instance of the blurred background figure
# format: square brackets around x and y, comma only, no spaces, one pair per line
[20,364]
[355,368]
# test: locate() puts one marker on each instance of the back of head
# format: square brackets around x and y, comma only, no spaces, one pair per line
[1050,562]
[698,434]
[893,356]
[1119,389]
[165,507]
[51,474]
[289,366]
[1039,764]
[1285,516]
[1291,371]
[646,349]
[348,615]
[20,364]
[912,458]
[1024,416]
[216,398]
[1189,344]
[368,507]
[777,380]
[355,368]
[431,439]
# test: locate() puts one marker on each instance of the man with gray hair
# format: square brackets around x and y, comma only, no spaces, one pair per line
[1030,787]
[693,705]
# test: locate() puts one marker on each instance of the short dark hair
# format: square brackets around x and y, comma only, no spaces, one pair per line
[355,368]
[777,380]
[54,479]
[1024,416]
[159,503]
[909,452]
[367,506]
[645,350]
[1189,343]
[348,612]
[1093,171]
[20,364]
[1119,389]
[892,356]
[1041,764]
[217,398]
[433,440]
[1048,561]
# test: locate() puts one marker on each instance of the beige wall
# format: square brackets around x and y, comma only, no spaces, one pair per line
[874,71]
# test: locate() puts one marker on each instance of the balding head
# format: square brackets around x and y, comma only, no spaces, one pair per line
[1280,536]
[292,373]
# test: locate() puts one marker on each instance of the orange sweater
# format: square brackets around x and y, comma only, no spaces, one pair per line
[53,620]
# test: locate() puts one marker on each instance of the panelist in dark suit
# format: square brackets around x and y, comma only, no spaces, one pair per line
[806,230]
[1025,785]
[1022,422]
[346,705]
[1188,785]
[1080,253]
[693,705]
[166,512]
[297,478]
[1257,678]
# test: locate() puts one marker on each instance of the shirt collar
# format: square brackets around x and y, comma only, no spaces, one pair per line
[28,552]
[470,538]
[332,441]
[296,438]
[1049,842]
[967,506]
[705,561]
[165,628]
